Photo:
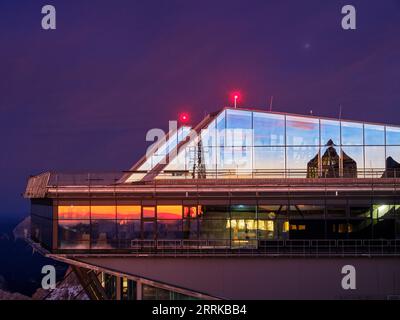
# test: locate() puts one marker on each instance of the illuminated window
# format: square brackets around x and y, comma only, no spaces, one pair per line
[103,212]
[128,212]
[169,212]
[73,212]
[149,212]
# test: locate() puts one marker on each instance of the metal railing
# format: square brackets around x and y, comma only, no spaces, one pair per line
[251,247]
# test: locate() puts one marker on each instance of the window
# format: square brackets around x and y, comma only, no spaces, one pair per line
[169,212]
[103,212]
[298,159]
[302,131]
[374,135]
[239,128]
[393,136]
[269,129]
[269,162]
[352,133]
[330,132]
[73,212]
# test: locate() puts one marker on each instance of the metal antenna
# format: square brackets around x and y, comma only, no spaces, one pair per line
[270,103]
[340,112]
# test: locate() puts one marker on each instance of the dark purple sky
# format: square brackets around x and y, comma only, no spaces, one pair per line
[83,97]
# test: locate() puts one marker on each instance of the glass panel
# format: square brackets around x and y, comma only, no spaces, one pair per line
[269,162]
[243,211]
[268,229]
[103,212]
[306,211]
[221,129]
[169,229]
[374,161]
[128,230]
[234,161]
[243,229]
[272,211]
[213,212]
[392,162]
[148,230]
[330,161]
[330,131]
[302,131]
[269,129]
[353,162]
[169,212]
[214,230]
[103,234]
[190,229]
[300,160]
[360,211]
[149,212]
[73,212]
[392,136]
[73,234]
[239,128]
[128,212]
[352,133]
[209,135]
[374,135]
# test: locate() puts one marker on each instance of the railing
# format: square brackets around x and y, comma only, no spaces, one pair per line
[118,178]
[225,247]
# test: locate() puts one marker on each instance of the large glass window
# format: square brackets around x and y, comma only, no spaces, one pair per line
[103,234]
[393,135]
[169,212]
[128,212]
[269,129]
[330,132]
[74,212]
[353,162]
[239,128]
[374,161]
[298,159]
[73,234]
[269,162]
[221,126]
[302,131]
[169,229]
[103,212]
[234,161]
[374,135]
[352,133]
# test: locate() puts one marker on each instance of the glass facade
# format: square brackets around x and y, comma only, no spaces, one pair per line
[252,144]
[229,224]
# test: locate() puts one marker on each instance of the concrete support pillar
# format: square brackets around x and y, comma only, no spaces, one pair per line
[139,290]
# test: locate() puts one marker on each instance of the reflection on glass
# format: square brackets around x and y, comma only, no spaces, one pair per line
[353,162]
[298,159]
[169,212]
[128,230]
[169,229]
[149,212]
[269,162]
[73,234]
[374,135]
[374,161]
[330,161]
[330,131]
[73,212]
[209,135]
[128,212]
[269,129]
[103,212]
[239,128]
[392,162]
[302,131]
[221,129]
[393,135]
[233,161]
[352,133]
[103,233]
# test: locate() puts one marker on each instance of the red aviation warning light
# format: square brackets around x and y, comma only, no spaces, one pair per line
[184,117]
[236,97]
